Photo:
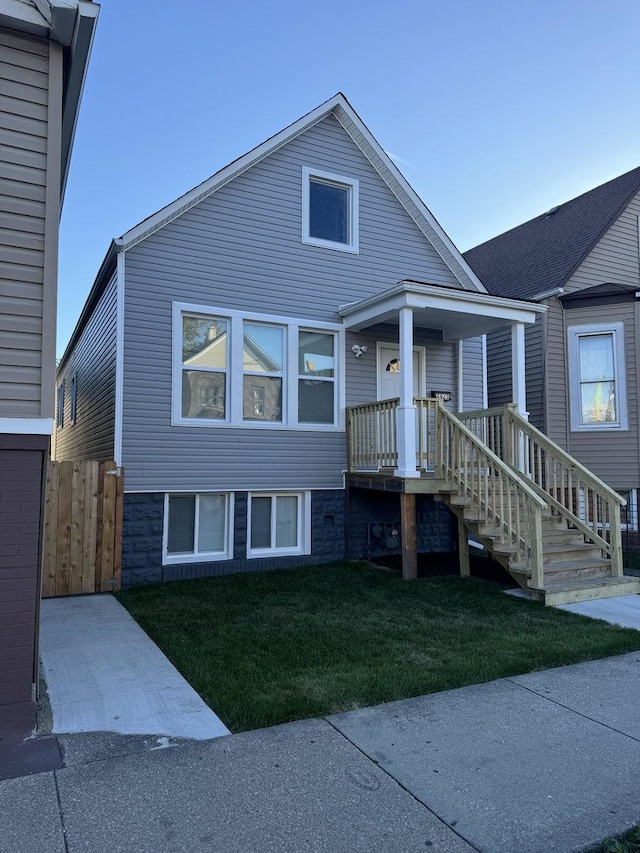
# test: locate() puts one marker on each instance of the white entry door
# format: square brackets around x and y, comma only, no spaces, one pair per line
[389,372]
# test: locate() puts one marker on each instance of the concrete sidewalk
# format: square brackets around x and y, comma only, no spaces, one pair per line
[103,673]
[531,764]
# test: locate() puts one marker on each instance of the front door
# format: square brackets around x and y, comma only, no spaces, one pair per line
[389,372]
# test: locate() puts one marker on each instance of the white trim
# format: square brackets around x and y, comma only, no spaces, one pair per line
[450,307]
[303,522]
[422,363]
[26,426]
[199,557]
[234,408]
[620,376]
[548,294]
[461,376]
[372,150]
[353,201]
[485,381]
[119,383]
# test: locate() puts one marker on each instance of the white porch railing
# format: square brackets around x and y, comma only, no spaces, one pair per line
[570,489]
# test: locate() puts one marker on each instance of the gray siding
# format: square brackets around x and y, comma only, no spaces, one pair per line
[93,361]
[440,357]
[24,114]
[241,249]
[472,374]
[499,369]
[614,456]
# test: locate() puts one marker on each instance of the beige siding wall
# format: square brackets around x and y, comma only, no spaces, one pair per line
[612,455]
[24,200]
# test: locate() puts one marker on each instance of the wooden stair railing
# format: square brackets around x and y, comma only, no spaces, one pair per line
[495,497]
[570,489]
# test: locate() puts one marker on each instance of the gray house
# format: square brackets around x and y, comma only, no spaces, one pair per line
[275,359]
[581,260]
[44,50]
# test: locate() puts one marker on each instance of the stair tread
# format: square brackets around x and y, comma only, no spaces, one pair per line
[591,583]
[566,547]
[563,565]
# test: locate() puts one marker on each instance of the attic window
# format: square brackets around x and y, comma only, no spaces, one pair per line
[330,210]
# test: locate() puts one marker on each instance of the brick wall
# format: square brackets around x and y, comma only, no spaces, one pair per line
[374,515]
[142,540]
[21,464]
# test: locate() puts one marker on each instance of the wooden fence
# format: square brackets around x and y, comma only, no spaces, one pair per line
[82,549]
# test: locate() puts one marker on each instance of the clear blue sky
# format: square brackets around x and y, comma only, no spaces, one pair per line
[495,111]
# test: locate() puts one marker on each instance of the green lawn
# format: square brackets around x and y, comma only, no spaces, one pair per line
[267,648]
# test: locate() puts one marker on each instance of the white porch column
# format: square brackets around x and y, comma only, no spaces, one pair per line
[518,384]
[406,413]
[519,392]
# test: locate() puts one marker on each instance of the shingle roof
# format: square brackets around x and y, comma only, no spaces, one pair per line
[543,253]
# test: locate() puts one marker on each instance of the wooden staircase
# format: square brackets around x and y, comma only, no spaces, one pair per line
[547,519]
[573,569]
[580,554]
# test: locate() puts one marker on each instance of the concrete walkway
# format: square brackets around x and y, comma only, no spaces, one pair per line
[103,673]
[537,763]
[620,610]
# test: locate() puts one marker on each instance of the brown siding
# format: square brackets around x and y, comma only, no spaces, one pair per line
[499,369]
[25,123]
[21,465]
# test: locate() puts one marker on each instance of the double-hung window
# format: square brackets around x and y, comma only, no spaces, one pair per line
[597,377]
[233,368]
[330,210]
[197,527]
[278,524]
[60,405]
[263,372]
[204,346]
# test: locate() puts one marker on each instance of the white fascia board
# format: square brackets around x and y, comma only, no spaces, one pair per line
[375,154]
[548,294]
[219,179]
[26,426]
[419,297]
[408,197]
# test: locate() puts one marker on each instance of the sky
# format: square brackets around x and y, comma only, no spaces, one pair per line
[494,110]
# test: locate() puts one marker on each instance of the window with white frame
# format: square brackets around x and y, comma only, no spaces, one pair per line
[240,369]
[197,527]
[330,210]
[204,347]
[263,371]
[597,377]
[60,406]
[278,524]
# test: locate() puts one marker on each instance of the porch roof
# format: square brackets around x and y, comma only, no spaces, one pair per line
[457,313]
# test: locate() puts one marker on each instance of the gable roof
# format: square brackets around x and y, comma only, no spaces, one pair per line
[361,136]
[543,254]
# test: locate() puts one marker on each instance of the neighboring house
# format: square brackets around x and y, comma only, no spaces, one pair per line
[44,50]
[581,259]
[266,357]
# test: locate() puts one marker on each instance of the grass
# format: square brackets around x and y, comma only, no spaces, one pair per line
[627,843]
[267,648]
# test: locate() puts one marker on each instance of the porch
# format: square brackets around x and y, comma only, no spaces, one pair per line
[550,522]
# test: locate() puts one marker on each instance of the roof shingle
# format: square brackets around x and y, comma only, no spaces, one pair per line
[543,253]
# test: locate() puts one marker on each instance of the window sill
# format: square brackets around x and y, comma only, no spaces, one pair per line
[277,552]
[600,428]
[351,248]
[213,424]
[176,559]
